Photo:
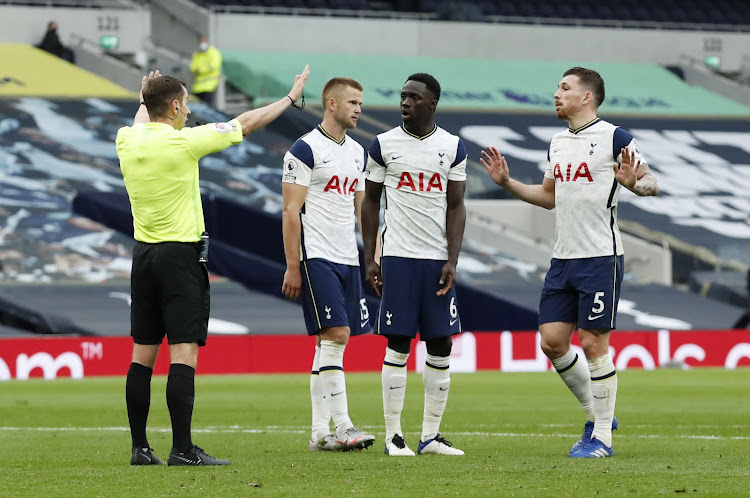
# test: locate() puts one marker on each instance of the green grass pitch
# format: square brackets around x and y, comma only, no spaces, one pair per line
[680,432]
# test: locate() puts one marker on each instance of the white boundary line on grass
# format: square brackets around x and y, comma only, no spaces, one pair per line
[296,430]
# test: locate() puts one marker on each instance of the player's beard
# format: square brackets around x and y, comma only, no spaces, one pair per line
[561,113]
[346,122]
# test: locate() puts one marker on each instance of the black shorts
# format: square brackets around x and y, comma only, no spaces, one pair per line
[170,294]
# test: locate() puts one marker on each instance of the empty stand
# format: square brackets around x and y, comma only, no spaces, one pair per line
[721,14]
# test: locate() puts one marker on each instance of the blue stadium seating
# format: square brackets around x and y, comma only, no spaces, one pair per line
[688,12]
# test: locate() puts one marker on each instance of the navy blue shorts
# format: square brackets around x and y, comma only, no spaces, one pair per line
[332,296]
[409,303]
[582,291]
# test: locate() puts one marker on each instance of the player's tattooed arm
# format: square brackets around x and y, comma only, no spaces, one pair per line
[646,184]
[635,176]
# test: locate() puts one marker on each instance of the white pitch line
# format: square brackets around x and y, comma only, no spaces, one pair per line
[296,430]
[647,426]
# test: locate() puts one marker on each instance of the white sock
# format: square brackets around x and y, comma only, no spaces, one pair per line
[604,391]
[437,381]
[334,383]
[394,390]
[321,415]
[575,373]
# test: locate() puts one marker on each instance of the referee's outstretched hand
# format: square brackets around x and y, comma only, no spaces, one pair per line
[299,84]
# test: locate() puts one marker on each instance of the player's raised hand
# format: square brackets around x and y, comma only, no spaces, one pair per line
[299,84]
[447,278]
[373,275]
[145,80]
[292,286]
[496,165]
[627,172]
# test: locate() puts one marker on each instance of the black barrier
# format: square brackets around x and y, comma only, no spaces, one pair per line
[247,246]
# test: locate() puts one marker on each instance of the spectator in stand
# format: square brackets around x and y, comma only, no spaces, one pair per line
[206,69]
[52,44]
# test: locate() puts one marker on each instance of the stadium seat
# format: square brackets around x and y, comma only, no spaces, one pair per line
[528,9]
[428,6]
[642,14]
[350,4]
[688,12]
[582,11]
[549,11]
[317,4]
[489,8]
[604,12]
[718,16]
[507,9]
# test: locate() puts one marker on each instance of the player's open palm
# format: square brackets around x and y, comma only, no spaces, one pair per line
[627,173]
[496,165]
[292,286]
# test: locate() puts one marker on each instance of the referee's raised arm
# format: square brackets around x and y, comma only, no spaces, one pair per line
[258,118]
[141,115]
[170,290]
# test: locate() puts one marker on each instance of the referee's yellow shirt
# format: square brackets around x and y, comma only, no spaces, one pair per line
[160,167]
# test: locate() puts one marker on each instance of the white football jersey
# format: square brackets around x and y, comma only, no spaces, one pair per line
[581,164]
[415,172]
[332,172]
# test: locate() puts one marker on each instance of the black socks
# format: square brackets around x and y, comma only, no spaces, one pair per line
[180,399]
[138,400]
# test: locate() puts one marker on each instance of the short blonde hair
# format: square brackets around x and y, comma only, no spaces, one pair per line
[336,83]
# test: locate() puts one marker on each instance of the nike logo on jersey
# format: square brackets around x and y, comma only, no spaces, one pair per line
[336,394]
[591,318]
[443,388]
[397,387]
[396,157]
[454,321]
[326,162]
[362,325]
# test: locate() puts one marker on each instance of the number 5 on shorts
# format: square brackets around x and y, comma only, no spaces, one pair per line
[598,303]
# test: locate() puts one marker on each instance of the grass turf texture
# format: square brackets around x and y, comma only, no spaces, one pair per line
[680,431]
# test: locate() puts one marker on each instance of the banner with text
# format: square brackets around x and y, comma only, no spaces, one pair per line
[77,358]
[518,85]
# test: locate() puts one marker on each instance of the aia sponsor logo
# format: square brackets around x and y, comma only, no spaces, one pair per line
[581,173]
[418,182]
[344,188]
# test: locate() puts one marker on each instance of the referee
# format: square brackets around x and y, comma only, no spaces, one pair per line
[169,282]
